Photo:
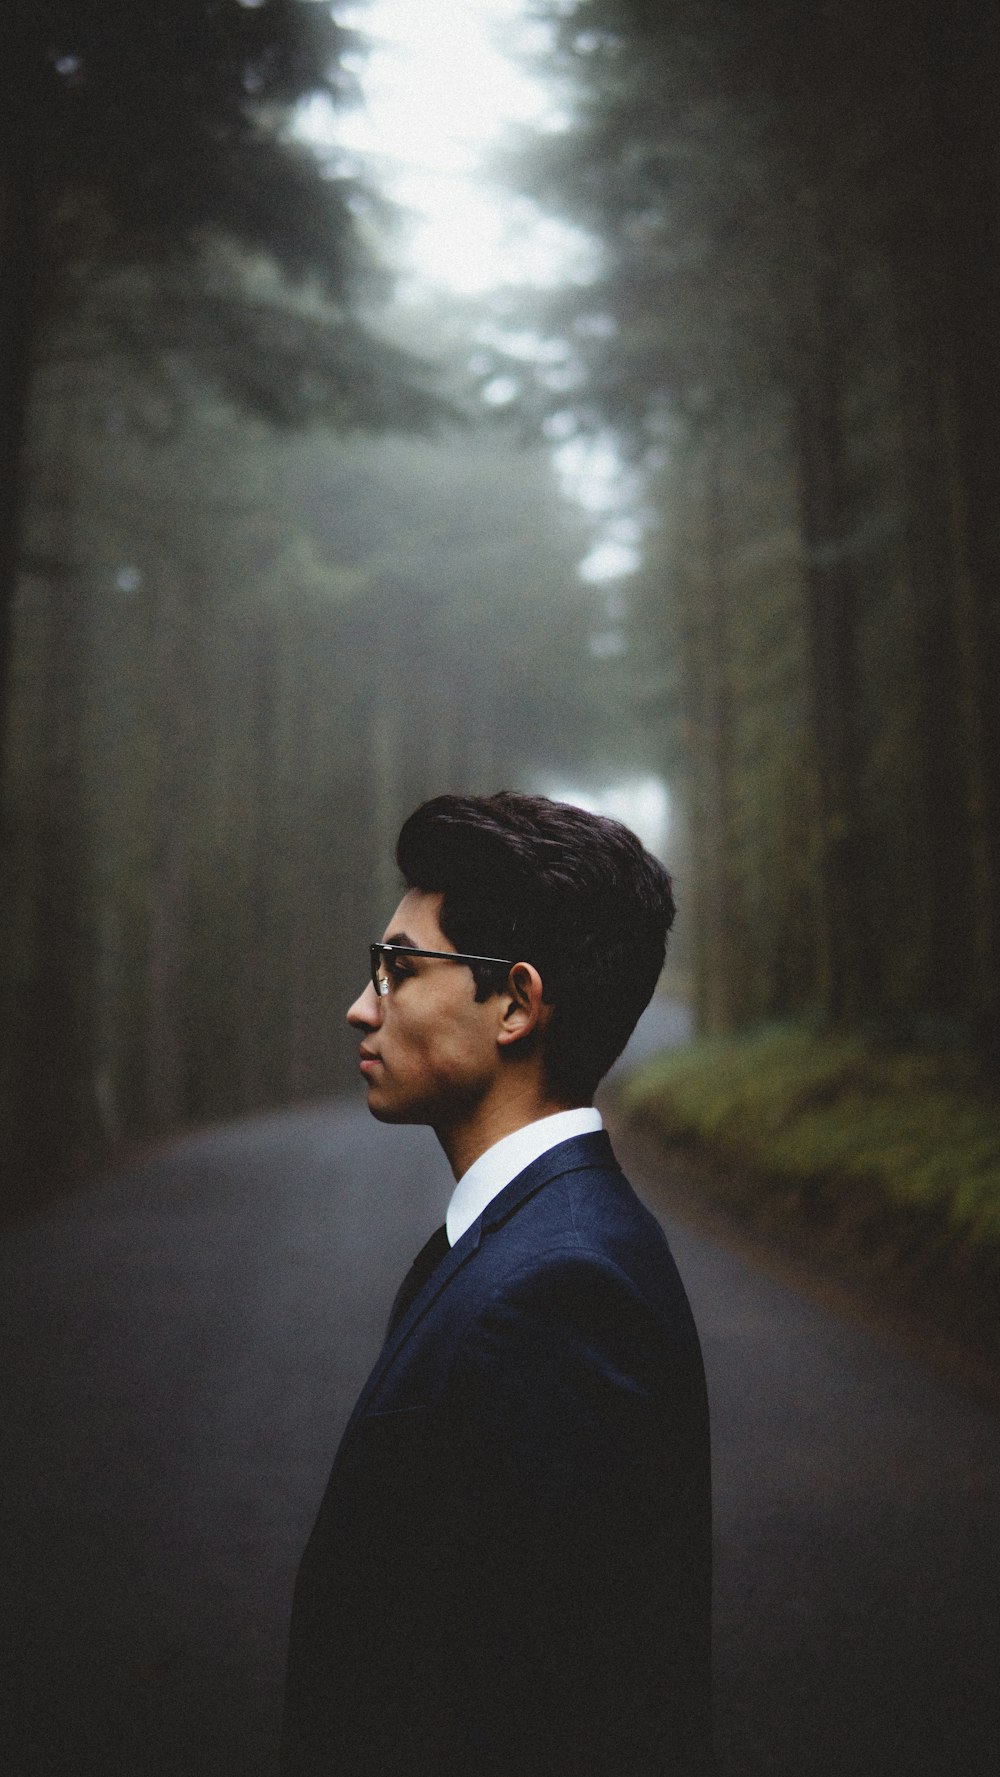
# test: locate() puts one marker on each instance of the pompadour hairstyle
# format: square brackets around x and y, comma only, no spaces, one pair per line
[574,893]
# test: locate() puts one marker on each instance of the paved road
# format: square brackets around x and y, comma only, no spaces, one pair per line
[182,1345]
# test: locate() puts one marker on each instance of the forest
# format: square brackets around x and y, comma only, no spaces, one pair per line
[280,555]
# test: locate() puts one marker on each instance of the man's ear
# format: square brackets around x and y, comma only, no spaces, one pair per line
[523,1011]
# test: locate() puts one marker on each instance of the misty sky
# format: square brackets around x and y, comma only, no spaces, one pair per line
[444,82]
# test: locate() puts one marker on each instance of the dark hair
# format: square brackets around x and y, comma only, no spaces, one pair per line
[573,893]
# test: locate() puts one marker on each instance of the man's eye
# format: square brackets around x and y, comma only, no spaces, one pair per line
[397,968]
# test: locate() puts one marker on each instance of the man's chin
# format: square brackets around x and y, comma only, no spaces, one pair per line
[388,1113]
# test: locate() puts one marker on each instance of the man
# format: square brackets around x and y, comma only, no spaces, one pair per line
[509,1574]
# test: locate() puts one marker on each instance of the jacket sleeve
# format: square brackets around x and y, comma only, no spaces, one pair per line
[580,1525]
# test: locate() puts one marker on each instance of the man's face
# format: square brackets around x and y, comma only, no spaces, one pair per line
[429,1052]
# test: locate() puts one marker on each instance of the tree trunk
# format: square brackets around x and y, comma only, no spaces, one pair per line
[700,601]
[941,767]
[18,243]
[979,667]
[846,966]
[723,976]
[169,888]
[58,1115]
[256,1005]
[301,904]
[972,390]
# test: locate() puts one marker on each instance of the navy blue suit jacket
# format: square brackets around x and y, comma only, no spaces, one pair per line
[509,1575]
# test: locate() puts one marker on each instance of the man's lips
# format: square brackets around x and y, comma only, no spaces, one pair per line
[367,1060]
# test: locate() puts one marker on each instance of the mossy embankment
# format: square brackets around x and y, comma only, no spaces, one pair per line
[880,1162]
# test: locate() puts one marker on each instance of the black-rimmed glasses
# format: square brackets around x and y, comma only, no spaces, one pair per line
[381,975]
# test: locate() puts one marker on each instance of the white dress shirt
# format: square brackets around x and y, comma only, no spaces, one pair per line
[506,1158]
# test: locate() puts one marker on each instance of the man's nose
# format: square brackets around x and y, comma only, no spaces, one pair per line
[367,1008]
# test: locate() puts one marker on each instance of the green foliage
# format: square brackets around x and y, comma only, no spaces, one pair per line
[915,1128]
[158,122]
[177,216]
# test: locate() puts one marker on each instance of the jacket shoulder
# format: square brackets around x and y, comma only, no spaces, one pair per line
[576,1202]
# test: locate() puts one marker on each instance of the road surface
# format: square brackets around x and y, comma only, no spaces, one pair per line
[182,1344]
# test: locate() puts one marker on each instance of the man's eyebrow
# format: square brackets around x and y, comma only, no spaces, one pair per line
[401,938]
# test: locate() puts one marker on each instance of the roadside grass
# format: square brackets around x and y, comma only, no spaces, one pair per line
[886,1157]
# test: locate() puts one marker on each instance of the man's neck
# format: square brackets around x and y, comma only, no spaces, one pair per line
[492,1120]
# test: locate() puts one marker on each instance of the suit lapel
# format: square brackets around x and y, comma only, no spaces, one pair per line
[580,1153]
[454,1259]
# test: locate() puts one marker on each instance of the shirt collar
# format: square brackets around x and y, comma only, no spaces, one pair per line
[506,1158]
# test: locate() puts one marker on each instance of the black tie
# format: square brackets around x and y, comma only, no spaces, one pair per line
[424,1263]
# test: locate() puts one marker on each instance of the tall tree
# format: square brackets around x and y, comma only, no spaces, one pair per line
[154,195]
